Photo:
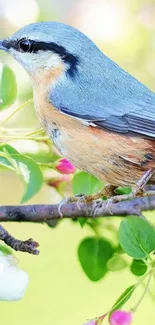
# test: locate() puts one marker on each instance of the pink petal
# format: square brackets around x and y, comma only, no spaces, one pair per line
[120,317]
[64,166]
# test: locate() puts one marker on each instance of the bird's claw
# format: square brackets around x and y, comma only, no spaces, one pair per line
[97,205]
[100,203]
[78,198]
[64,201]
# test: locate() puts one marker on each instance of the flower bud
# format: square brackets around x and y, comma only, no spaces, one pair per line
[91,322]
[13,281]
[121,317]
[65,167]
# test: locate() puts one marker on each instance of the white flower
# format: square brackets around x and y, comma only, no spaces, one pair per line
[13,281]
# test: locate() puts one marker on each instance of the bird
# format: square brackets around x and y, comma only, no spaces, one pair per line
[99,116]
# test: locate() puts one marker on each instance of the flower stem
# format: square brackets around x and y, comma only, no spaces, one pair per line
[114,307]
[134,309]
[23,137]
[34,132]
[49,165]
[15,111]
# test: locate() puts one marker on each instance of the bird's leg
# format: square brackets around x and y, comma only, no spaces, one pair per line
[138,190]
[107,191]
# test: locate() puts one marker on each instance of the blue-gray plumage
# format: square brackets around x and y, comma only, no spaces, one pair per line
[99,116]
[99,90]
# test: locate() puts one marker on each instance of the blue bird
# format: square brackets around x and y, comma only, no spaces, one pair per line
[100,117]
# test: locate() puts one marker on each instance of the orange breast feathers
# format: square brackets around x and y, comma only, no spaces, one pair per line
[114,158]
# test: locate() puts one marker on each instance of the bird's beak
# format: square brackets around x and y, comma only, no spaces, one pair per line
[2,45]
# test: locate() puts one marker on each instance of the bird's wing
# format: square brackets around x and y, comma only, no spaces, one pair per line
[113,100]
[139,119]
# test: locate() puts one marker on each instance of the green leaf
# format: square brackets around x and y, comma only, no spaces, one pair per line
[5,250]
[116,263]
[138,267]
[84,183]
[82,221]
[94,254]
[125,296]
[8,148]
[8,87]
[52,223]
[123,190]
[5,156]
[4,162]
[31,175]
[25,167]
[137,237]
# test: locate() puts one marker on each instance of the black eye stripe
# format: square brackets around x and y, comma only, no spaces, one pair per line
[36,46]
[67,57]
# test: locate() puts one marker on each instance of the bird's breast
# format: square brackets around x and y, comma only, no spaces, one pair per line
[114,158]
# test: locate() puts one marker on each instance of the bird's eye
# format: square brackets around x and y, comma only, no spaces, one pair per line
[24,45]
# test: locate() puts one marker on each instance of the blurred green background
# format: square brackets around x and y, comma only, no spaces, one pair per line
[59,292]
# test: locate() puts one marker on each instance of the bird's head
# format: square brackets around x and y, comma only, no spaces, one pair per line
[47,45]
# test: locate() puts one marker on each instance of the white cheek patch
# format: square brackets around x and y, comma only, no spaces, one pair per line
[54,61]
[36,61]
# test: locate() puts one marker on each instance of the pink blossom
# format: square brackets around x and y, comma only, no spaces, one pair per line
[120,317]
[64,166]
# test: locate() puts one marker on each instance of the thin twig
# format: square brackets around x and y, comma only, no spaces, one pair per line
[28,246]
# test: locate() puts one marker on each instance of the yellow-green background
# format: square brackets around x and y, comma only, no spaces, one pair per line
[59,293]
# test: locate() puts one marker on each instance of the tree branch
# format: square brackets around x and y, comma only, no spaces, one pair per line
[43,213]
